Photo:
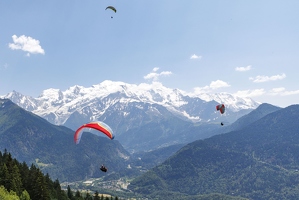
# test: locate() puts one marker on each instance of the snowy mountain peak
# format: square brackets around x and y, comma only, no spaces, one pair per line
[14,94]
[231,101]
[51,95]
[110,96]
[26,102]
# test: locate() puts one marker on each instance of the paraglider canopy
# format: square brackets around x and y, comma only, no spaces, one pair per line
[111,8]
[99,127]
[221,108]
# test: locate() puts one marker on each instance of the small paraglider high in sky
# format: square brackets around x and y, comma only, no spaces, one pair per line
[111,8]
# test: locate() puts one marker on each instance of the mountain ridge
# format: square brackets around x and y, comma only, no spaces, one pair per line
[155,115]
[57,106]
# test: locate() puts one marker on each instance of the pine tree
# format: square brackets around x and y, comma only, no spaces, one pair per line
[27,183]
[24,173]
[88,196]
[96,196]
[59,194]
[40,189]
[1,159]
[69,192]
[5,179]
[16,181]
[77,193]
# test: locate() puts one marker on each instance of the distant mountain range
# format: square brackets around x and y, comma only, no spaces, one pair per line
[145,112]
[100,100]
[260,153]
[258,160]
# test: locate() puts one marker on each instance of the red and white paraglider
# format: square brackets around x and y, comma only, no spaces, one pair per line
[221,109]
[100,127]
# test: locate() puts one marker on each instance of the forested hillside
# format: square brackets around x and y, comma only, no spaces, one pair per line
[257,162]
[17,180]
[20,182]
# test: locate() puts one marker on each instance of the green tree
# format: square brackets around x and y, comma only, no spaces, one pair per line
[88,196]
[96,196]
[5,195]
[69,192]
[27,183]
[24,173]
[77,194]
[25,195]
[57,191]
[16,181]
[40,189]
[5,179]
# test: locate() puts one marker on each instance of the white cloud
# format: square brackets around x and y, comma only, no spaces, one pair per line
[282,92]
[218,84]
[260,79]
[27,44]
[155,76]
[243,69]
[194,56]
[250,93]
[213,86]
[292,92]
[155,69]
[277,91]
[200,90]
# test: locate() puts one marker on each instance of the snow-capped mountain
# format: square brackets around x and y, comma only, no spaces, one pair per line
[93,102]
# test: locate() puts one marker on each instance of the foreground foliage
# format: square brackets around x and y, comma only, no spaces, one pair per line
[20,181]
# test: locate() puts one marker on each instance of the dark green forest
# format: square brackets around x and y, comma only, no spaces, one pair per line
[18,181]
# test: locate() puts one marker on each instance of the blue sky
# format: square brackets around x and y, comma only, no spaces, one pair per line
[249,48]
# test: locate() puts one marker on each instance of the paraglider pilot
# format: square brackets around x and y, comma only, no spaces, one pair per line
[103,168]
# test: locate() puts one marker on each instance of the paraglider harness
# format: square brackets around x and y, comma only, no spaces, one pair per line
[103,168]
